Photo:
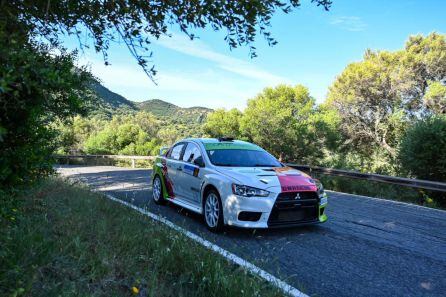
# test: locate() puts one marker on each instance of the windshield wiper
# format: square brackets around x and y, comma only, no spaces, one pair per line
[263,165]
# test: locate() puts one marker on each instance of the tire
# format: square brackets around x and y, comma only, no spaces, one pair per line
[213,212]
[157,191]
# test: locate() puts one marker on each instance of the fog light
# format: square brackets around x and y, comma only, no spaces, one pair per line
[249,216]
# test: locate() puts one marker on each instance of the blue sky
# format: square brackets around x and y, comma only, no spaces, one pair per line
[314,46]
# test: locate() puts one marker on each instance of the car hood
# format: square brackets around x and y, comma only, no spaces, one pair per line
[282,179]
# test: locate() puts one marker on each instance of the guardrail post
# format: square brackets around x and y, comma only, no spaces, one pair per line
[133,163]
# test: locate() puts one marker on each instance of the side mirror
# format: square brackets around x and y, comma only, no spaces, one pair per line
[164,150]
[199,161]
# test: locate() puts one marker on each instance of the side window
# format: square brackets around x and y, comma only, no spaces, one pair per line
[175,153]
[191,153]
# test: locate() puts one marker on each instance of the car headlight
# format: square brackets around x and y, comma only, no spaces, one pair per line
[320,191]
[246,191]
[320,187]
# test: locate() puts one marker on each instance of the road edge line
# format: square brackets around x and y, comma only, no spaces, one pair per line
[288,289]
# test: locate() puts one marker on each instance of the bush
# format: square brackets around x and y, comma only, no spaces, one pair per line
[36,88]
[423,153]
[122,139]
[423,149]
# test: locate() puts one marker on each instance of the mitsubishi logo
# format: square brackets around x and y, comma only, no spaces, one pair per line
[297,197]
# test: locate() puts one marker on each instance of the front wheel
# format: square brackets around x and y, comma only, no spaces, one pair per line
[157,191]
[213,212]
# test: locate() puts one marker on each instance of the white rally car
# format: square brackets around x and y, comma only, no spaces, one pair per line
[236,183]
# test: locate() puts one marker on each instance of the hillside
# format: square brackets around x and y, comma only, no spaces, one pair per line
[165,109]
[110,103]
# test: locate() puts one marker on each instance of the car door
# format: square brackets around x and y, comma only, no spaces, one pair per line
[174,168]
[191,176]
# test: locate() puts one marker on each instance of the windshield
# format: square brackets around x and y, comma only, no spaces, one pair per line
[242,158]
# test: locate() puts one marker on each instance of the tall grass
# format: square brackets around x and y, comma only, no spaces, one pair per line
[68,241]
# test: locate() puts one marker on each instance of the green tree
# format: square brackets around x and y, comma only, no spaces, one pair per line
[138,22]
[169,134]
[224,123]
[281,120]
[36,88]
[422,152]
[102,142]
[435,97]
[147,121]
[378,97]
[367,100]
[423,73]
[122,135]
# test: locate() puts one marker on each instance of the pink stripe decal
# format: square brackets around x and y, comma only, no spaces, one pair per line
[292,180]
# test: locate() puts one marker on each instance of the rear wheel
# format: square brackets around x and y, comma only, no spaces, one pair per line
[157,191]
[213,212]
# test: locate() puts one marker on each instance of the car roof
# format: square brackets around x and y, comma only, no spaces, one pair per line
[215,143]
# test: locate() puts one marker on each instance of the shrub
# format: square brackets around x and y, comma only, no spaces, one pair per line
[423,149]
[36,88]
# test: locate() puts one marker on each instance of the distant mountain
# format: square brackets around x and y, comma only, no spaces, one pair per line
[112,99]
[165,109]
[158,107]
[110,103]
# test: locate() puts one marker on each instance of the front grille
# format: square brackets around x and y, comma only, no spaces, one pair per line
[291,208]
[304,196]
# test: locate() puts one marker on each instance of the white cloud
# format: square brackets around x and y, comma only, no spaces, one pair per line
[213,85]
[200,87]
[349,23]
[197,48]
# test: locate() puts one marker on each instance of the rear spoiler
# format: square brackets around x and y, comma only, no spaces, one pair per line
[164,150]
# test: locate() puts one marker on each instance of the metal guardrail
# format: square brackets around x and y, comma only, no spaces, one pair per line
[407,182]
[132,158]
[401,181]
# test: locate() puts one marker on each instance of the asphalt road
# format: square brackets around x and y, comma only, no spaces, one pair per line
[368,247]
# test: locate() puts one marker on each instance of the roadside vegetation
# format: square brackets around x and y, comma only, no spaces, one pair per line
[65,240]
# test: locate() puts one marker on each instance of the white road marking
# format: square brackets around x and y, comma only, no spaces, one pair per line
[226,254]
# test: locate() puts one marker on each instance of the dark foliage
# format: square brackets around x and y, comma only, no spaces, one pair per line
[36,87]
[138,22]
[423,149]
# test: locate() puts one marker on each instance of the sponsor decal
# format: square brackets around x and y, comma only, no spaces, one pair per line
[167,180]
[292,180]
[294,188]
[191,170]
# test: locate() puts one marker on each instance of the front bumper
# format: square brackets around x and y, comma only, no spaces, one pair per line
[270,212]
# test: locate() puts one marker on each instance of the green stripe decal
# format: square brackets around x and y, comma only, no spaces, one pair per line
[231,146]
